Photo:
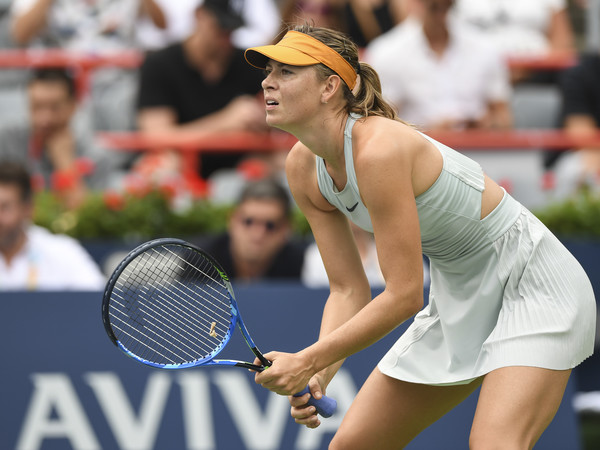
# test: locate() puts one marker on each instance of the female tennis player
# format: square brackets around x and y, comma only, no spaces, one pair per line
[510,309]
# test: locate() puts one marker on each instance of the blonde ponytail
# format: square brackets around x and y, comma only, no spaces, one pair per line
[367,99]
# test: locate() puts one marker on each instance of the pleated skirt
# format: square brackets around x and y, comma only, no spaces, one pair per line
[523,300]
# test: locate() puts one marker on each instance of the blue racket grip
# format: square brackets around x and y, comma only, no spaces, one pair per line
[326,406]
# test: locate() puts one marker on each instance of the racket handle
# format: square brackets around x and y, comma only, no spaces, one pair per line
[326,406]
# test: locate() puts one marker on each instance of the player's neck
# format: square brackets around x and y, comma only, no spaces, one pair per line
[325,139]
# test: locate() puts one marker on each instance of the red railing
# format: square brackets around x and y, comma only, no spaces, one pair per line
[195,143]
[526,139]
[551,61]
[191,145]
[82,64]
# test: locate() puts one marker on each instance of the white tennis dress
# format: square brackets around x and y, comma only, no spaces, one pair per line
[504,290]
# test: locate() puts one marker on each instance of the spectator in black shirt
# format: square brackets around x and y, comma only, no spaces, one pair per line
[258,244]
[202,83]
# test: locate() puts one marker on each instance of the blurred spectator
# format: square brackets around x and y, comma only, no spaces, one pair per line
[366,20]
[533,27]
[201,84]
[12,98]
[261,19]
[258,244]
[320,13]
[441,73]
[58,152]
[362,20]
[92,27]
[261,22]
[32,258]
[522,28]
[580,86]
[89,26]
[315,276]
[179,18]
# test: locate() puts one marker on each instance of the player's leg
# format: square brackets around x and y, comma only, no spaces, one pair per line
[389,413]
[515,406]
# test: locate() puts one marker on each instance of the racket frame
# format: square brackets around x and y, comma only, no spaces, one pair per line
[236,318]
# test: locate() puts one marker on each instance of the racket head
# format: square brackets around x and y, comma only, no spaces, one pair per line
[169,305]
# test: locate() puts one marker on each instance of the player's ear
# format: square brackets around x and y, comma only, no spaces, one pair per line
[331,86]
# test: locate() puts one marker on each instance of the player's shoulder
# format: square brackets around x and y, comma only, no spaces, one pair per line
[299,160]
[379,142]
[375,134]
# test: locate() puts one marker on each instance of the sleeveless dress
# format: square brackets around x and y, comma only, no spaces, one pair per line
[504,290]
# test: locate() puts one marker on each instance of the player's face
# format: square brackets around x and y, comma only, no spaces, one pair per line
[259,229]
[50,107]
[292,94]
[14,215]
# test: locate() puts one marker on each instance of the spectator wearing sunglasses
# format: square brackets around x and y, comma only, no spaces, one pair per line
[259,243]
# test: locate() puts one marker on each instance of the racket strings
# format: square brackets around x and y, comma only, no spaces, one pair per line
[171,306]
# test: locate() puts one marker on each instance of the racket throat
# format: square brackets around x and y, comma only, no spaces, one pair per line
[253,367]
[264,361]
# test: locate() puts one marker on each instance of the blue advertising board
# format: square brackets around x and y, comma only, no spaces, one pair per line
[65,386]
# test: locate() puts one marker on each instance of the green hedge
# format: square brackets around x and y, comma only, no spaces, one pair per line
[137,216]
[576,217]
[154,214]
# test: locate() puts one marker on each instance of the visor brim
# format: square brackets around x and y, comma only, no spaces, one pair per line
[258,56]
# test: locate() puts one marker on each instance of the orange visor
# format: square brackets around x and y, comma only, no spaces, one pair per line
[300,49]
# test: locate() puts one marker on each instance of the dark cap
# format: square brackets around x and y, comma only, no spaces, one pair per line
[227,16]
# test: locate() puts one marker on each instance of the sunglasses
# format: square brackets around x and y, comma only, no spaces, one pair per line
[268,225]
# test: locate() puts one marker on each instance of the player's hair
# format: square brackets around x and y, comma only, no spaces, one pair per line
[54,75]
[368,101]
[14,174]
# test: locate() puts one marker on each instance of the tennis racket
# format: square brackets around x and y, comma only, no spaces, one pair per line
[170,305]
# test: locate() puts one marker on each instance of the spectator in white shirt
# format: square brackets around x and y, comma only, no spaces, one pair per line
[441,73]
[532,27]
[32,258]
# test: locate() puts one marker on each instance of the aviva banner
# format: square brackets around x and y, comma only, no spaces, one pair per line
[65,386]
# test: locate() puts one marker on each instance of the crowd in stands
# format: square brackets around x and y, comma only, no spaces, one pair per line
[443,64]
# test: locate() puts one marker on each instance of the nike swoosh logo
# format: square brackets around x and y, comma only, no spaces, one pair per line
[352,208]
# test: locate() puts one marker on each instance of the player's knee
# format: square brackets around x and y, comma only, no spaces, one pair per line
[481,439]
